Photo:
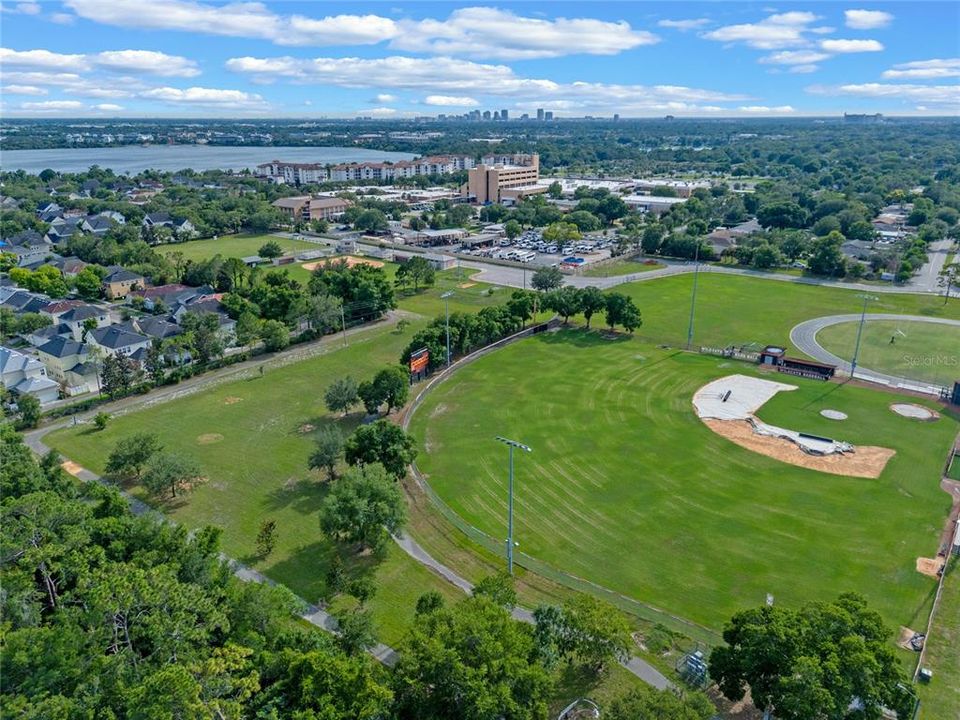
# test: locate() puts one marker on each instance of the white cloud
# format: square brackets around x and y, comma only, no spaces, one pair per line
[146,61]
[924,69]
[24,90]
[851,46]
[63,18]
[450,101]
[777,31]
[52,105]
[385,98]
[132,61]
[684,25]
[799,69]
[765,110]
[867,19]
[946,95]
[794,57]
[380,112]
[108,107]
[28,8]
[203,96]
[500,34]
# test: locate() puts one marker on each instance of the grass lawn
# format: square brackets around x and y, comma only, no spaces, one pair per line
[621,267]
[252,439]
[234,246]
[920,351]
[626,487]
[941,698]
[733,309]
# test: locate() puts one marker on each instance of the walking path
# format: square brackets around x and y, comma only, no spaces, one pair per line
[804,338]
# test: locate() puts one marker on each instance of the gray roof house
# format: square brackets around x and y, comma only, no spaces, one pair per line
[114,339]
[25,375]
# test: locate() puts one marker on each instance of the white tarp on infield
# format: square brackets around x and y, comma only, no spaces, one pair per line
[747,395]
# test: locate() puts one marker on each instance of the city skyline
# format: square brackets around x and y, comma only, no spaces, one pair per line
[181,58]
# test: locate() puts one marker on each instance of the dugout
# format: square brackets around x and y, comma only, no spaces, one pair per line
[776,356]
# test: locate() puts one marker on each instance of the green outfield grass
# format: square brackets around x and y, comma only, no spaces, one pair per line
[259,470]
[941,698]
[621,267]
[234,246]
[735,309]
[627,488]
[919,351]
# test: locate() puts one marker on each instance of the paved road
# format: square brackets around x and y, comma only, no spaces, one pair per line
[516,277]
[804,338]
[927,278]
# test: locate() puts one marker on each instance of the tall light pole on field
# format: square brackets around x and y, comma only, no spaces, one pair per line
[511,444]
[863,318]
[693,297]
[446,305]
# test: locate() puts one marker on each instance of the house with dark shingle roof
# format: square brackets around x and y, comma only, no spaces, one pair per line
[114,339]
[75,318]
[119,281]
[68,362]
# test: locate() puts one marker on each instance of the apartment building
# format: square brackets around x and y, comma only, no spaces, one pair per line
[302,173]
[487,182]
[306,208]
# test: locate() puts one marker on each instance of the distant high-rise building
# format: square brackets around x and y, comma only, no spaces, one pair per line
[616,116]
[504,115]
[525,116]
[486,114]
[548,115]
[496,114]
[540,114]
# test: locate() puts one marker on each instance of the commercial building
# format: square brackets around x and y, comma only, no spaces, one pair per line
[652,204]
[683,188]
[307,208]
[497,174]
[302,173]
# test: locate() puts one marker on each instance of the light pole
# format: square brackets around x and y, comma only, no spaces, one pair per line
[446,305]
[863,317]
[693,298]
[511,444]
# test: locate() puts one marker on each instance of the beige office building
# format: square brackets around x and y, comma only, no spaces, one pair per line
[486,182]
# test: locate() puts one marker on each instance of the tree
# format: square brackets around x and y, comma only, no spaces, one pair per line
[555,189]
[248,328]
[652,237]
[948,279]
[420,271]
[371,221]
[100,420]
[371,395]
[119,373]
[266,537]
[88,283]
[826,257]
[154,362]
[620,310]
[782,215]
[28,406]
[323,313]
[565,302]
[275,335]
[131,453]
[824,660]
[561,233]
[584,628]
[499,588]
[512,229]
[471,660]
[355,632]
[319,225]
[202,330]
[384,443]
[364,507]
[647,703]
[547,278]
[270,249]
[169,471]
[393,384]
[327,450]
[592,300]
[341,395]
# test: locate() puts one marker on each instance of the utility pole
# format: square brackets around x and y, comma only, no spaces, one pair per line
[343,324]
[446,305]
[511,444]
[863,318]
[693,298]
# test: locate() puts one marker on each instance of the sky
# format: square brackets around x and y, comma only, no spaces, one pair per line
[200,58]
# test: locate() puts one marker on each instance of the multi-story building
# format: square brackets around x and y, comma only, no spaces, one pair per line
[487,182]
[304,173]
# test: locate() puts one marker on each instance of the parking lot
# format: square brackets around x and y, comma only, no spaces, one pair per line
[530,247]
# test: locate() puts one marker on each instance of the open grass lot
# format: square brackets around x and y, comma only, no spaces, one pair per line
[259,470]
[621,267]
[234,246]
[734,309]
[626,487]
[941,698]
[920,351]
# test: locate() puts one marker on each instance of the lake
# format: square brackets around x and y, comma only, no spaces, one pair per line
[136,158]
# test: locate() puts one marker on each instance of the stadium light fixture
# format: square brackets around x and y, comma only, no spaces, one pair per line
[511,444]
[863,318]
[693,297]
[446,305]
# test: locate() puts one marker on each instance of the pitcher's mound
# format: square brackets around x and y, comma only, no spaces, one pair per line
[232,400]
[915,412]
[209,438]
[833,414]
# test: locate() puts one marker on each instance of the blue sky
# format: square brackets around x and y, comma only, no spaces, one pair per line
[199,58]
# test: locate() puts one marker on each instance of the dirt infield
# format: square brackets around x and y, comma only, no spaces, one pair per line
[71,467]
[351,261]
[866,462]
[929,566]
[209,438]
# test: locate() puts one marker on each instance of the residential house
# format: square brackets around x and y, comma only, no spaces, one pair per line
[68,362]
[48,211]
[117,217]
[24,301]
[25,375]
[170,295]
[44,335]
[153,327]
[114,339]
[63,228]
[211,304]
[75,318]
[119,281]
[29,246]
[98,225]
[163,219]
[69,266]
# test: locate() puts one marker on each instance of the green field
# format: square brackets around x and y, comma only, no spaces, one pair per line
[621,267]
[627,488]
[234,246]
[919,351]
[941,698]
[259,470]
[736,309]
